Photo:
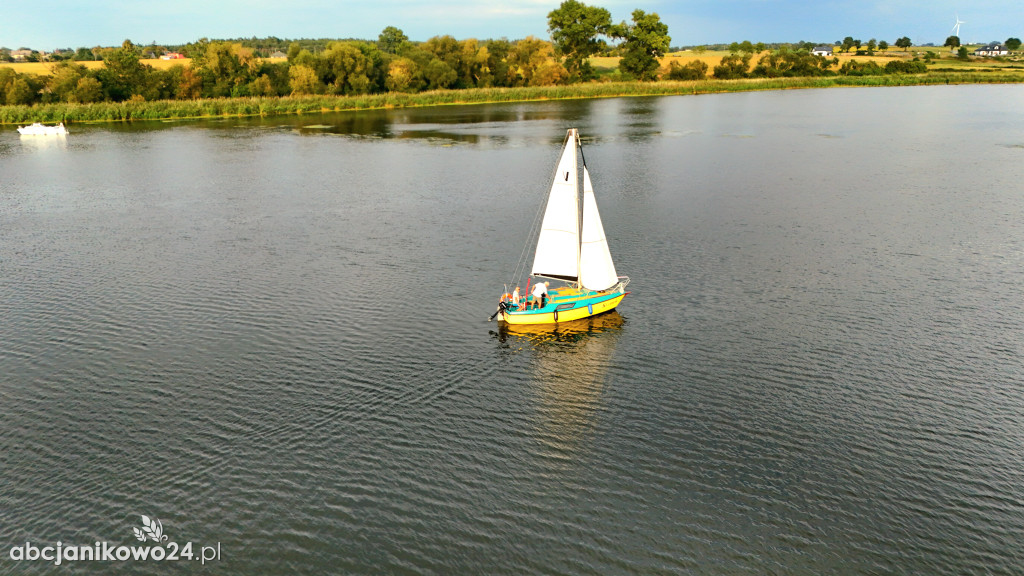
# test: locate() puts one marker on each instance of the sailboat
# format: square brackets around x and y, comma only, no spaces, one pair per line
[571,248]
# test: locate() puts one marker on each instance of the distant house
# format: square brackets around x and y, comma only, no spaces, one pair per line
[172,56]
[278,54]
[822,51]
[993,49]
[20,55]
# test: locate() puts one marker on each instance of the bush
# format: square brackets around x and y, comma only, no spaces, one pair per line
[692,70]
[905,67]
[733,66]
[855,68]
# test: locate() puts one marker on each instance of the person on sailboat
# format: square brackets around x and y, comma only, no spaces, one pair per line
[540,294]
[515,298]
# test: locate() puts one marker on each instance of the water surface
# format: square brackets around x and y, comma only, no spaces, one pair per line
[272,334]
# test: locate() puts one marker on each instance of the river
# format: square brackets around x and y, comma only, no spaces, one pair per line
[271,336]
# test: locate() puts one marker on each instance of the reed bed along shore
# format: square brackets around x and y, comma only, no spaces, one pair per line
[240,107]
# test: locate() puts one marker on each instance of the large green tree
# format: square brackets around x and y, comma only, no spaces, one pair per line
[1013,43]
[227,68]
[903,42]
[347,69]
[64,80]
[646,40]
[392,40]
[575,29]
[122,74]
[532,62]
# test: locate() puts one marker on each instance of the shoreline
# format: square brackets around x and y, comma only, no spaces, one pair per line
[119,112]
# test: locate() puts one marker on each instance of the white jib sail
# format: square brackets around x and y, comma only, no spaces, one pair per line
[597,271]
[558,248]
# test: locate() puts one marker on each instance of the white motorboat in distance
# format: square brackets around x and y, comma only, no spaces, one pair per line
[38,129]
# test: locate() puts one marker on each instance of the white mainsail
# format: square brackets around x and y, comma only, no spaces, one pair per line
[597,271]
[558,248]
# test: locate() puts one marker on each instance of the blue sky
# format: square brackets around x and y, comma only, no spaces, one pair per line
[49,24]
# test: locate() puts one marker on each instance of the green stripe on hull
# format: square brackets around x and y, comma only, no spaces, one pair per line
[582,307]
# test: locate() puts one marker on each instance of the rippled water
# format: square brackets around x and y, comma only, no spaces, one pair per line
[272,336]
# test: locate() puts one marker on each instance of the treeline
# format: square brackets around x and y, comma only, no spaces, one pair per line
[394,64]
[787,62]
[391,64]
[222,69]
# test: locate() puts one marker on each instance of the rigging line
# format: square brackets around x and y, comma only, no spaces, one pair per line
[530,239]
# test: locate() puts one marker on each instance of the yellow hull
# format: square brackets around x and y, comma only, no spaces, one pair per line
[553,317]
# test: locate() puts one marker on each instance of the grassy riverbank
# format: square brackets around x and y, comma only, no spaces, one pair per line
[212,108]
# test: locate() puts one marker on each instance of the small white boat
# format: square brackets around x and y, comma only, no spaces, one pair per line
[38,129]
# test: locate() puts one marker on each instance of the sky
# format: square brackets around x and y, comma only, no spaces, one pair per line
[49,24]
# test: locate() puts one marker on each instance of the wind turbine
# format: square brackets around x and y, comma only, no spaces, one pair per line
[956,27]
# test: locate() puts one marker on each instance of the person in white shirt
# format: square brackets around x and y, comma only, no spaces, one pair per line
[540,294]
[515,297]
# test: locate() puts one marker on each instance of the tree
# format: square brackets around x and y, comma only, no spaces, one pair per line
[848,43]
[347,69]
[575,28]
[304,80]
[692,70]
[549,73]
[439,74]
[903,42]
[392,40]
[883,45]
[646,40]
[123,75]
[84,54]
[403,76]
[474,69]
[227,67]
[20,92]
[962,53]
[64,80]
[872,44]
[792,63]
[733,66]
[88,90]
[531,62]
[263,86]
[1012,43]
[497,60]
[746,47]
[189,83]
[953,42]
